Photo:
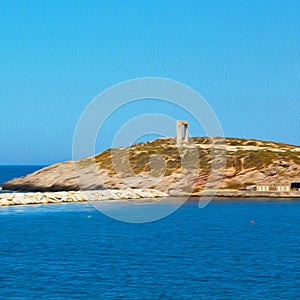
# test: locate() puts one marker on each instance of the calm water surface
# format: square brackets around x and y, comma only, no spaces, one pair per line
[58,252]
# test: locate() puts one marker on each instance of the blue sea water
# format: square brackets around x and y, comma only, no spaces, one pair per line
[58,252]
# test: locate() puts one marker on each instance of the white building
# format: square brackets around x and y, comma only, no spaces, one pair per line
[273,187]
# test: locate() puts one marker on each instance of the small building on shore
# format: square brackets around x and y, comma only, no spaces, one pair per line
[295,186]
[273,187]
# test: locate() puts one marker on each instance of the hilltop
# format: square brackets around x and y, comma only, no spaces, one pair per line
[247,162]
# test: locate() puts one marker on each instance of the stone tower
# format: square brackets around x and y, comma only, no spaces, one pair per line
[182,139]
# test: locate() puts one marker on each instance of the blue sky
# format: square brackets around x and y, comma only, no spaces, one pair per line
[56,56]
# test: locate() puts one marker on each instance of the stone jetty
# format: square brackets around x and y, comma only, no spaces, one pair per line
[7,199]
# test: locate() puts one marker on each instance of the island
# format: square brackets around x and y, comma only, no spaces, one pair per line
[252,168]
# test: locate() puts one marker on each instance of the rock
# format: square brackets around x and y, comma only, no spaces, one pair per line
[4,202]
[283,164]
[44,200]
[58,197]
[270,172]
[230,172]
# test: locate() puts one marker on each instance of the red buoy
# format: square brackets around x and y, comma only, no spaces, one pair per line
[252,222]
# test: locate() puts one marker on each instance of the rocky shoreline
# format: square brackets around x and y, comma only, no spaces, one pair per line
[8,199]
[227,193]
[13,198]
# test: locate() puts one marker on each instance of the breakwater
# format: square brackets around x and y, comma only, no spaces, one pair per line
[7,199]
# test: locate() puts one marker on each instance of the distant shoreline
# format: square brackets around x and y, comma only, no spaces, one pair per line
[247,194]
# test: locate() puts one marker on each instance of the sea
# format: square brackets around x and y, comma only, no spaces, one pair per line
[231,249]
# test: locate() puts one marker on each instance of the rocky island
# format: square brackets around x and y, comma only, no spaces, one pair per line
[248,163]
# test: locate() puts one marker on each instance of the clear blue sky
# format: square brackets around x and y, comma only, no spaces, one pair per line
[56,56]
